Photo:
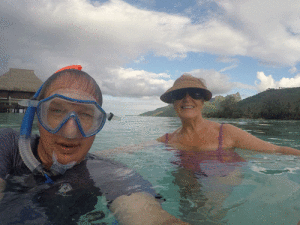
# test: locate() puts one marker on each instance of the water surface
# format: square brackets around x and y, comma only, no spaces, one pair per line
[264,190]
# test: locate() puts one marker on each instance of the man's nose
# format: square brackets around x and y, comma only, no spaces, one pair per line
[70,129]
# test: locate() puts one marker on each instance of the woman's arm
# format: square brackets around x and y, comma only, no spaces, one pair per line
[168,136]
[141,209]
[244,140]
[162,139]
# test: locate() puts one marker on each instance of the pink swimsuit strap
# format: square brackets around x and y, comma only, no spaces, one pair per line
[220,151]
[167,138]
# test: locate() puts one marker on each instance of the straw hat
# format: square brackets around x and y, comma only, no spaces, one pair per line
[186,82]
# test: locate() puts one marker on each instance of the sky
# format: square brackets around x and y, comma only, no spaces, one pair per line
[136,49]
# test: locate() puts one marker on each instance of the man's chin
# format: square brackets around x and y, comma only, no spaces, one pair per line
[65,158]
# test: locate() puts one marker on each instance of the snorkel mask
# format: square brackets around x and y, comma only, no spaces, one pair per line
[57,110]
[54,113]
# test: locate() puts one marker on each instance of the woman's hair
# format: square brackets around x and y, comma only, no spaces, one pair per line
[87,83]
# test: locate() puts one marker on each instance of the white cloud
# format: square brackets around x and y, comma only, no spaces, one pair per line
[217,82]
[228,68]
[135,83]
[265,82]
[141,59]
[290,82]
[269,82]
[293,70]
[226,59]
[46,35]
[270,26]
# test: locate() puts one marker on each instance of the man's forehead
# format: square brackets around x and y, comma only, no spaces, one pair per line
[74,93]
[69,88]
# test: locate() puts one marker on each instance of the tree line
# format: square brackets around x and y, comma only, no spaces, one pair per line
[268,109]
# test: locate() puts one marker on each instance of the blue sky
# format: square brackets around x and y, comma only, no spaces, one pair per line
[135,49]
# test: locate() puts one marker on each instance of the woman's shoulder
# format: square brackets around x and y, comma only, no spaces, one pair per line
[162,138]
[212,125]
[167,136]
[225,126]
[227,131]
[230,129]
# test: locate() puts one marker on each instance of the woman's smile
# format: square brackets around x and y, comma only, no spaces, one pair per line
[188,107]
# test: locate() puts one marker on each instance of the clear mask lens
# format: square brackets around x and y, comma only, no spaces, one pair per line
[65,116]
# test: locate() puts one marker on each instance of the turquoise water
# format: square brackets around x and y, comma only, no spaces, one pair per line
[264,190]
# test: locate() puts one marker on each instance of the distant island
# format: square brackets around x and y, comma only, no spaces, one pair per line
[283,104]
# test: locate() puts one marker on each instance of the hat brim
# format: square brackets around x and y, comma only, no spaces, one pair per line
[169,96]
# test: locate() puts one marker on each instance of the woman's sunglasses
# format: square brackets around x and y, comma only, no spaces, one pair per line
[195,94]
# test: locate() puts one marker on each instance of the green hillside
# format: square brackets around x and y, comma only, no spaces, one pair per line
[167,111]
[285,95]
[271,104]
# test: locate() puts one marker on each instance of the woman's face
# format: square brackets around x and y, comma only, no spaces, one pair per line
[188,108]
[72,146]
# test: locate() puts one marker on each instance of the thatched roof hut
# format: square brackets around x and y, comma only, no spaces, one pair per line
[20,80]
[17,84]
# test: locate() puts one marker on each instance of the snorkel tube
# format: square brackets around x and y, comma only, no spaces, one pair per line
[24,141]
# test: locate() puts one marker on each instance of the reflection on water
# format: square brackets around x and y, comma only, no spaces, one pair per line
[14,120]
[11,120]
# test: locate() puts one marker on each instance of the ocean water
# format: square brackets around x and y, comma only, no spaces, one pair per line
[263,190]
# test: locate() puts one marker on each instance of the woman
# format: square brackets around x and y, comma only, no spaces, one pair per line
[60,180]
[205,150]
[196,133]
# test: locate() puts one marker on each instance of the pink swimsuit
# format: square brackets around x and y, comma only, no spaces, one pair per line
[208,163]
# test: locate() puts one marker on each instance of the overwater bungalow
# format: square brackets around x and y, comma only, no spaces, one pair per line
[15,85]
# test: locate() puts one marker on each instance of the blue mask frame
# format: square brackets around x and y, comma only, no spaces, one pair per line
[71,115]
[26,126]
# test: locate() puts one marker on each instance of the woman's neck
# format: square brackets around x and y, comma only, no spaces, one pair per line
[192,125]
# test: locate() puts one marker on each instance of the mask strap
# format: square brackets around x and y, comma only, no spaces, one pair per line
[76,67]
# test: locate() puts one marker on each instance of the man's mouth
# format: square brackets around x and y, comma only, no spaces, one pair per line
[68,145]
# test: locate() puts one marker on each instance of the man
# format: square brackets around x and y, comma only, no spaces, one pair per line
[59,180]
